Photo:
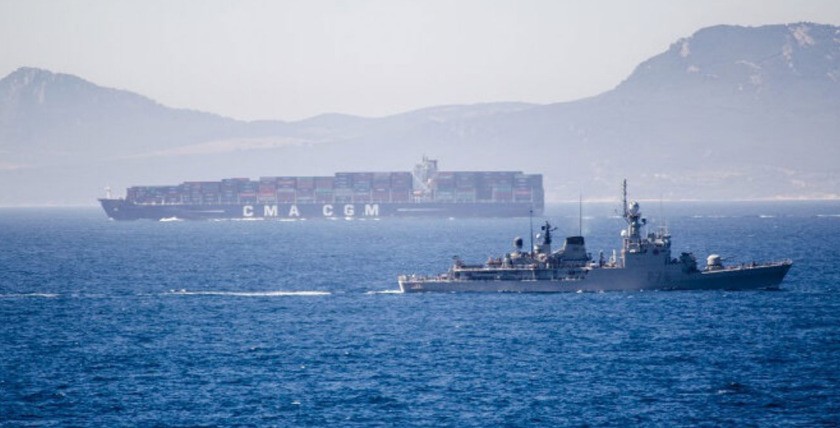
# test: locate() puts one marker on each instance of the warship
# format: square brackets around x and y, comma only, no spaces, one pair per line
[645,263]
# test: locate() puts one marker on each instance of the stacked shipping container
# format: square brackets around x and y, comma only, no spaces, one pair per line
[346,187]
[402,185]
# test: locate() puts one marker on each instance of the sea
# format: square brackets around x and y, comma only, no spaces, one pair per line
[301,323]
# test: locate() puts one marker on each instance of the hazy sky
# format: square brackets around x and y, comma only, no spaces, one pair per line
[295,59]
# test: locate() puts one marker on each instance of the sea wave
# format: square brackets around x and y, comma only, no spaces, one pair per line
[275,293]
[25,295]
[384,292]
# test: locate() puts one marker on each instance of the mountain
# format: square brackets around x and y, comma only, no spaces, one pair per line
[727,113]
[730,112]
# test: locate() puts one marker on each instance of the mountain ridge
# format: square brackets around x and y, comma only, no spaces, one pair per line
[728,112]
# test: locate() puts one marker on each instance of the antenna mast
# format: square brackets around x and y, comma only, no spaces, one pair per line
[580,215]
[624,199]
[662,215]
[531,221]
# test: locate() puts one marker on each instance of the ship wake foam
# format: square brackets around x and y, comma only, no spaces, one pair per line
[26,295]
[275,293]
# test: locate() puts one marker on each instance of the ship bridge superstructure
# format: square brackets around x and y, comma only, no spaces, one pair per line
[637,247]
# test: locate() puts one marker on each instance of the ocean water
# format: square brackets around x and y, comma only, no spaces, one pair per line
[273,323]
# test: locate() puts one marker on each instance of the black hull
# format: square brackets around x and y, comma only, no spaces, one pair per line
[120,209]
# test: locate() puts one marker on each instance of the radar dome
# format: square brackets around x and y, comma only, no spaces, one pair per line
[633,208]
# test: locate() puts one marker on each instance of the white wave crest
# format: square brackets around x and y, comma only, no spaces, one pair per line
[276,293]
[23,295]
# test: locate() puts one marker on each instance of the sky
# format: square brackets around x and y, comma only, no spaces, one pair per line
[289,60]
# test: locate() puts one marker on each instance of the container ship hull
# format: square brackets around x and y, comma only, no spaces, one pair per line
[120,209]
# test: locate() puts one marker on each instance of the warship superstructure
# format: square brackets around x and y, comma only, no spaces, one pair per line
[644,263]
[423,192]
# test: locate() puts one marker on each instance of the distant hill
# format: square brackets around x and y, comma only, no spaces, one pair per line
[728,113]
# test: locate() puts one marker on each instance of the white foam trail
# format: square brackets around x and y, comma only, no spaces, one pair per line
[250,293]
[17,296]
[384,292]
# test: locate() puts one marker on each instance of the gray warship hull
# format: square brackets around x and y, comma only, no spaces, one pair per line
[764,277]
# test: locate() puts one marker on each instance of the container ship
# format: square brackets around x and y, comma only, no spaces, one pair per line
[423,192]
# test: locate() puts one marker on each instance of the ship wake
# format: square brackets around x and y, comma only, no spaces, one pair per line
[274,293]
[28,295]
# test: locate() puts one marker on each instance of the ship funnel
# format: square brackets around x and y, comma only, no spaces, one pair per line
[517,242]
[574,248]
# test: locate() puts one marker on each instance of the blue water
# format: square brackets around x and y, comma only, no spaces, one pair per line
[296,324]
